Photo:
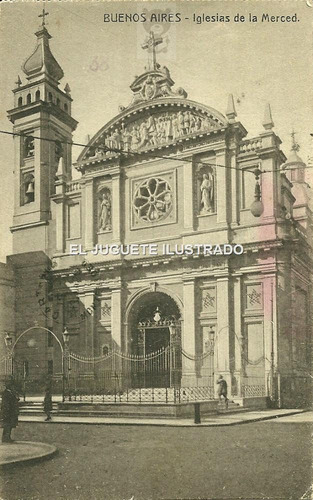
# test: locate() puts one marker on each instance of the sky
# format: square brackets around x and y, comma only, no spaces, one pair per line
[256,62]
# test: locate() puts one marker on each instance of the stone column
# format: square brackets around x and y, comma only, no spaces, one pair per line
[88,301]
[223,329]
[222,176]
[60,199]
[238,340]
[116,318]
[189,334]
[88,222]
[235,188]
[270,327]
[116,208]
[188,197]
[269,181]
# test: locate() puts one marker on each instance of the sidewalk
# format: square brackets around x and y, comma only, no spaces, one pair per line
[206,421]
[24,451]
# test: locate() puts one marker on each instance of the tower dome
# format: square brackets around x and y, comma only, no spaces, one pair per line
[42,62]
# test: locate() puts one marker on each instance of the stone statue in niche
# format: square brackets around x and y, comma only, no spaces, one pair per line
[207,193]
[105,222]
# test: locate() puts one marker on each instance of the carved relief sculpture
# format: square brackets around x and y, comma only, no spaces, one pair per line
[154,130]
[104,210]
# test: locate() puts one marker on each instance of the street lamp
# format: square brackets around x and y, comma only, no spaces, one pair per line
[8,339]
[65,358]
[257,207]
[66,337]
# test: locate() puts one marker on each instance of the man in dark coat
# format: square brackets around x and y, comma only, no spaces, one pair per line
[222,389]
[9,411]
[47,404]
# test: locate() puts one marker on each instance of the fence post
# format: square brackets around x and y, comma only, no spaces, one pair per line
[197,413]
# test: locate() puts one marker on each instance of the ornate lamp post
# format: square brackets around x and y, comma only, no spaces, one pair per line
[8,339]
[65,360]
[257,207]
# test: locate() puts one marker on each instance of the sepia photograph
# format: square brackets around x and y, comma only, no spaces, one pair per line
[156,256]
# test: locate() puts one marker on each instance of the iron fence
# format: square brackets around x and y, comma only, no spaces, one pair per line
[124,377]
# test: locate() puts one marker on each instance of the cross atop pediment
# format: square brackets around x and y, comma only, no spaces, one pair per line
[150,45]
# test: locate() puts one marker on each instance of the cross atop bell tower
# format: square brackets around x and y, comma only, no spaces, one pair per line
[150,44]
[43,15]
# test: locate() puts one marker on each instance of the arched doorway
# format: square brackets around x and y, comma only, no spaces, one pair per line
[155,326]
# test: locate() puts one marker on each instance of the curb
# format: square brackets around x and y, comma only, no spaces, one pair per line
[170,424]
[47,451]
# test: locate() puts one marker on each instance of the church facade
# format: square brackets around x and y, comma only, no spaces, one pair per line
[135,255]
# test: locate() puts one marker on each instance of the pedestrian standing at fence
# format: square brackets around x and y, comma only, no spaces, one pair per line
[47,404]
[222,389]
[9,411]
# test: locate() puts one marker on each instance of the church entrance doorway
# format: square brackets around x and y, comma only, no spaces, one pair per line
[156,341]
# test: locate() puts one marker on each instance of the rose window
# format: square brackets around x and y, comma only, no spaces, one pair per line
[153,200]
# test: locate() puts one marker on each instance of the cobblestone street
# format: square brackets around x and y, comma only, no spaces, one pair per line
[268,460]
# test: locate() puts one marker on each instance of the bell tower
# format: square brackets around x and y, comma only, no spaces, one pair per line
[43,125]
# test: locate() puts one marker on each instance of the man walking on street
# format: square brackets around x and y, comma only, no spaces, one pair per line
[9,411]
[222,390]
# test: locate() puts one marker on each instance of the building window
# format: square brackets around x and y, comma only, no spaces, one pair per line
[58,102]
[66,107]
[28,99]
[28,189]
[37,95]
[29,147]
[20,101]
[50,97]
[153,200]
[58,151]
[50,366]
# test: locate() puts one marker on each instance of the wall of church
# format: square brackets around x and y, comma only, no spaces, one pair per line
[7,310]
[32,308]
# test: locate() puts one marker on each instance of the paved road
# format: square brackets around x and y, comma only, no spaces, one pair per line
[268,460]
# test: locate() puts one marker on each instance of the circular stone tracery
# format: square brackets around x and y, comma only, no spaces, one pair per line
[153,200]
